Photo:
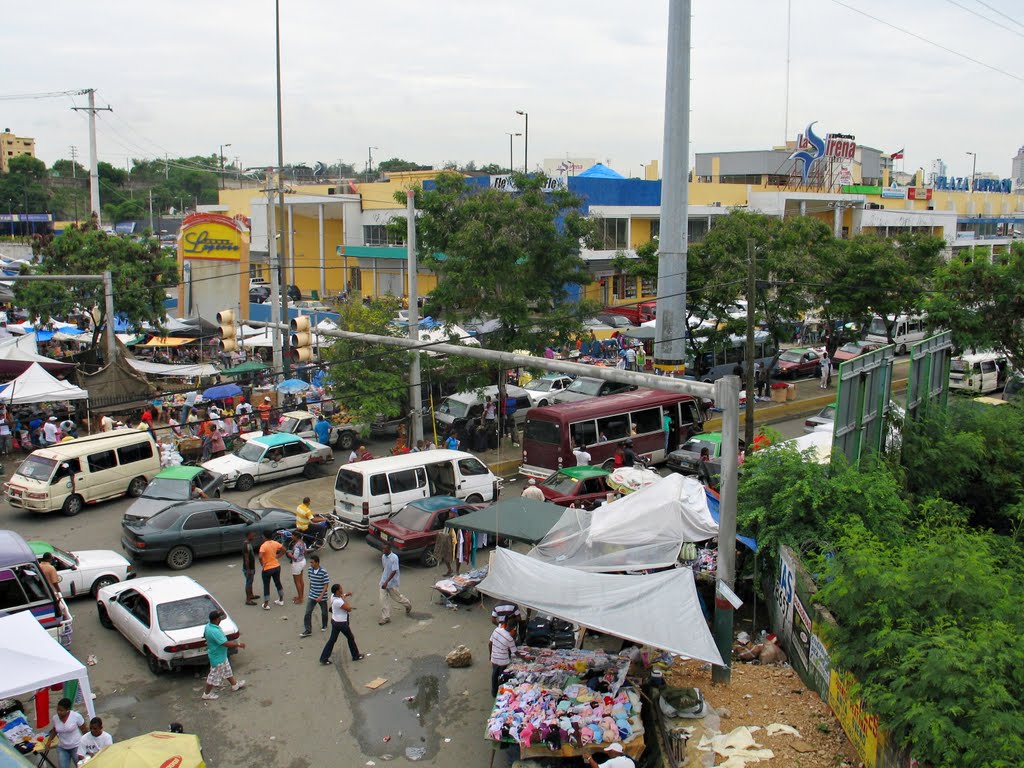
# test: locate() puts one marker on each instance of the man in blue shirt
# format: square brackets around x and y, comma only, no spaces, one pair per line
[316,596]
[217,645]
[323,430]
[389,586]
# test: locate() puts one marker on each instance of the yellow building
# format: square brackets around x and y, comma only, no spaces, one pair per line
[13,146]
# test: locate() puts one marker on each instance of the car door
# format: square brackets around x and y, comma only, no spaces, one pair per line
[71,577]
[233,526]
[207,481]
[810,362]
[296,456]
[591,491]
[201,532]
[270,464]
[407,485]
[130,613]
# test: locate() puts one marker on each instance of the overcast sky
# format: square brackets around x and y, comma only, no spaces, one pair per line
[438,80]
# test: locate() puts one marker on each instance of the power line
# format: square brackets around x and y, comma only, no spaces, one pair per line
[1000,13]
[43,95]
[986,18]
[924,39]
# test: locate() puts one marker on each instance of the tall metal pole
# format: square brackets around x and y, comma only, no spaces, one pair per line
[749,353]
[151,229]
[275,282]
[670,329]
[108,305]
[415,390]
[285,367]
[222,164]
[94,173]
[727,390]
[526,139]
[789,31]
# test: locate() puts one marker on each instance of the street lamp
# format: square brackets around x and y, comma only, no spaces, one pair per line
[222,164]
[974,169]
[510,135]
[526,139]
[369,160]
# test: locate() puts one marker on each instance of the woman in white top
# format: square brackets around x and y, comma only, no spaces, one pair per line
[340,610]
[67,726]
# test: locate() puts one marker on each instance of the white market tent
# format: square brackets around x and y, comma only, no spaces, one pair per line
[640,531]
[657,609]
[31,660]
[187,371]
[36,385]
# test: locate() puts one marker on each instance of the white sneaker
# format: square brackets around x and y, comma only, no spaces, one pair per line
[210,695]
[239,686]
[279,602]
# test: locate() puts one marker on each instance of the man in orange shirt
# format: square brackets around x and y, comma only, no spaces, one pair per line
[269,553]
[264,411]
[46,566]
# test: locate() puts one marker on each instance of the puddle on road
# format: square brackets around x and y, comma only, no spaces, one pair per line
[412,723]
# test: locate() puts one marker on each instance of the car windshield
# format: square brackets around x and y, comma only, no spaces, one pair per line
[828,412]
[412,517]
[561,484]
[695,446]
[852,349]
[249,451]
[877,327]
[37,468]
[288,424]
[455,408]
[791,356]
[540,385]
[168,490]
[185,614]
[585,386]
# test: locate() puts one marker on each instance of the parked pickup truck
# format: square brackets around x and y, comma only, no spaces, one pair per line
[344,437]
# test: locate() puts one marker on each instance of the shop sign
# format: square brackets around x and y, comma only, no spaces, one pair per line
[505,183]
[919,193]
[209,236]
[861,728]
[894,192]
[811,148]
[820,662]
[963,184]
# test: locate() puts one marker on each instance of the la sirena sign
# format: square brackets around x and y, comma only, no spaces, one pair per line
[810,148]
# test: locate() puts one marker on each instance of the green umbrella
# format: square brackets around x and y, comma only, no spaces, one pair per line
[245,368]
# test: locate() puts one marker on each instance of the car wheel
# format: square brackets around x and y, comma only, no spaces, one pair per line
[244,483]
[476,498]
[105,621]
[902,350]
[137,487]
[101,582]
[338,539]
[542,403]
[179,558]
[152,662]
[346,441]
[72,505]
[609,464]
[428,559]
[309,471]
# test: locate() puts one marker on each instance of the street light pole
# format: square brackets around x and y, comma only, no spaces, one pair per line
[284,256]
[974,169]
[369,161]
[510,135]
[526,139]
[222,164]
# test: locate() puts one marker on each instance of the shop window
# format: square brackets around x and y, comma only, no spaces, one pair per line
[624,286]
[655,228]
[377,234]
[612,233]
[649,286]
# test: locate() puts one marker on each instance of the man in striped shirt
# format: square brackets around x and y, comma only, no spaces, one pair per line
[501,646]
[316,596]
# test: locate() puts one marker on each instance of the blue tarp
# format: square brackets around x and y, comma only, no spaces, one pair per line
[600,171]
[746,541]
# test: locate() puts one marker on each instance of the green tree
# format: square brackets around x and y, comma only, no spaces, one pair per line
[21,188]
[397,164]
[141,273]
[507,256]
[111,174]
[68,169]
[929,625]
[979,300]
[27,166]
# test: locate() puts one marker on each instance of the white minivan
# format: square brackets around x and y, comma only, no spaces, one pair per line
[908,330]
[981,372]
[373,489]
[69,475]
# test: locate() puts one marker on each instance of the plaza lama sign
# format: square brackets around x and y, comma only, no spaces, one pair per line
[963,184]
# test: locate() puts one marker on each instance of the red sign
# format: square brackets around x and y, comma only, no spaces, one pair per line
[919,193]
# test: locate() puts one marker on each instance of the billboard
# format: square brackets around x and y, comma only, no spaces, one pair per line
[929,373]
[861,404]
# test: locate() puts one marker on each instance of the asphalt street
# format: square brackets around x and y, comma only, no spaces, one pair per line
[294,712]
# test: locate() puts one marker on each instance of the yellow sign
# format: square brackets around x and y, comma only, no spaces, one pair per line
[860,727]
[206,239]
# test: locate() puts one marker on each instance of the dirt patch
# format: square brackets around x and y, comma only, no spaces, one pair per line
[760,695]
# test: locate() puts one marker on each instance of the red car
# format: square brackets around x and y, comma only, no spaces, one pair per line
[412,531]
[581,486]
[852,350]
[801,361]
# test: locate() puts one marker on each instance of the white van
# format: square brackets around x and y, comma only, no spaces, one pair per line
[462,407]
[69,475]
[373,489]
[909,329]
[982,372]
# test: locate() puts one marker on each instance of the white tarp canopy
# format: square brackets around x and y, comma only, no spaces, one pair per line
[36,385]
[643,530]
[263,339]
[658,609]
[31,660]
[179,371]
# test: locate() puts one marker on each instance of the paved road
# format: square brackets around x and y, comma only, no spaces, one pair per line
[295,713]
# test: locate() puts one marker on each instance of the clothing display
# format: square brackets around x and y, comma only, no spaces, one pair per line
[463,582]
[568,701]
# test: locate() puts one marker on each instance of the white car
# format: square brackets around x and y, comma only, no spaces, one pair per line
[164,618]
[269,457]
[541,391]
[311,305]
[87,571]
[825,417]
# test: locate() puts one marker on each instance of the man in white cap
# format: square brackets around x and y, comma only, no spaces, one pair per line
[616,758]
[531,491]
[50,431]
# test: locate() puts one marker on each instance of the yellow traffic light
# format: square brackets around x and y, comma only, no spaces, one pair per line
[301,339]
[228,330]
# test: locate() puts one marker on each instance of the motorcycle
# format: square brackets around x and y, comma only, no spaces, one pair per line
[332,531]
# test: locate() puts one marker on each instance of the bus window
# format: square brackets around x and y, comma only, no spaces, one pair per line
[583,433]
[613,427]
[647,421]
[542,431]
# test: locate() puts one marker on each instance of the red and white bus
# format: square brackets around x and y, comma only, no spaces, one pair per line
[603,423]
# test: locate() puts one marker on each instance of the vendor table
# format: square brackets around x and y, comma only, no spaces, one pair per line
[461,585]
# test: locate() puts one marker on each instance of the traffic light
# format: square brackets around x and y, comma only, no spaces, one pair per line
[301,339]
[228,330]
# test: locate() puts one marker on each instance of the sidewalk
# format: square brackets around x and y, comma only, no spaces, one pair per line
[505,460]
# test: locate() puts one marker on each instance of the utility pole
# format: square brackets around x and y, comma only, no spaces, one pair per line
[670,328]
[415,390]
[285,367]
[74,161]
[275,282]
[727,392]
[151,229]
[94,174]
[526,139]
[222,164]
[748,374]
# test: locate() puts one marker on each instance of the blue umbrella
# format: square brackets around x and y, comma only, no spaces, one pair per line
[222,392]
[292,386]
